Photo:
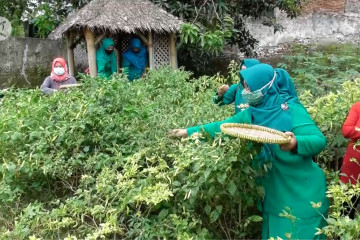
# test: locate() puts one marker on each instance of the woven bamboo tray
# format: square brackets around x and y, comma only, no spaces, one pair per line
[70,85]
[255,133]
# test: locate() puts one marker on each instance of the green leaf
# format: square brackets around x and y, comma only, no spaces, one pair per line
[208,209]
[86,149]
[215,214]
[232,188]
[221,177]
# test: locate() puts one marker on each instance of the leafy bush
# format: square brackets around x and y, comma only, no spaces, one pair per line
[329,112]
[322,69]
[338,225]
[96,162]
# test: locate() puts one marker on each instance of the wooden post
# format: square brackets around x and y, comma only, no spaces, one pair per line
[99,39]
[151,50]
[70,52]
[173,53]
[142,37]
[90,42]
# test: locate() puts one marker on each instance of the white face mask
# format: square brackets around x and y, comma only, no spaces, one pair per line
[59,71]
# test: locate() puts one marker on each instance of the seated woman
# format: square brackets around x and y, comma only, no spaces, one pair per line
[134,60]
[294,180]
[59,76]
[106,59]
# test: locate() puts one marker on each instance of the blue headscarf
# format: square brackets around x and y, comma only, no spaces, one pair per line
[138,59]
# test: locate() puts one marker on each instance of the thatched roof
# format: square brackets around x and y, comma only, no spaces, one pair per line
[119,15]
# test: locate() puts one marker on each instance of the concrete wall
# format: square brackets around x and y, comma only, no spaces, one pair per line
[352,6]
[26,62]
[318,27]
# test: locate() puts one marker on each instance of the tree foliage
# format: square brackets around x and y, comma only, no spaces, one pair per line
[209,24]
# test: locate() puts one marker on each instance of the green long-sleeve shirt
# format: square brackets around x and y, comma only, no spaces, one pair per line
[294,180]
[233,94]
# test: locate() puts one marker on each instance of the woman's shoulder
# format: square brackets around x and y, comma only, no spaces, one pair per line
[294,104]
[48,79]
[299,114]
[297,108]
[71,80]
[356,106]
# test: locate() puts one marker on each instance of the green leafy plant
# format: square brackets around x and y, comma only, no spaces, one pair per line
[322,70]
[96,162]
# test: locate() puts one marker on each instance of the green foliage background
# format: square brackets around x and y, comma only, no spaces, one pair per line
[209,25]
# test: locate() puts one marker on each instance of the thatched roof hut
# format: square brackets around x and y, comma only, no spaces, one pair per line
[121,18]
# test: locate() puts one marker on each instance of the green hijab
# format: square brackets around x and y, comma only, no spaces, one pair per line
[271,111]
[285,85]
[101,54]
[249,62]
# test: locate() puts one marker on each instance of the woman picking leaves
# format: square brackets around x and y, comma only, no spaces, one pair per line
[227,95]
[294,184]
[106,61]
[59,76]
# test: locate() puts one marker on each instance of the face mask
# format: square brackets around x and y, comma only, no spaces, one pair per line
[255,97]
[59,71]
[108,52]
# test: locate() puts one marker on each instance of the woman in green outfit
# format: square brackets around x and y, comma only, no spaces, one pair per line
[106,59]
[227,95]
[294,183]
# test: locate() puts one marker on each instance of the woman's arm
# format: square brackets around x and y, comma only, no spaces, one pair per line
[46,86]
[309,140]
[125,66]
[72,80]
[226,98]
[101,68]
[350,123]
[113,63]
[214,128]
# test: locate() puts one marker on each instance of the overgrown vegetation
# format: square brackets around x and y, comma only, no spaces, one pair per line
[322,69]
[97,163]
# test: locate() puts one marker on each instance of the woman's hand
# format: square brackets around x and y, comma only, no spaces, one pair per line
[222,90]
[290,146]
[178,133]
